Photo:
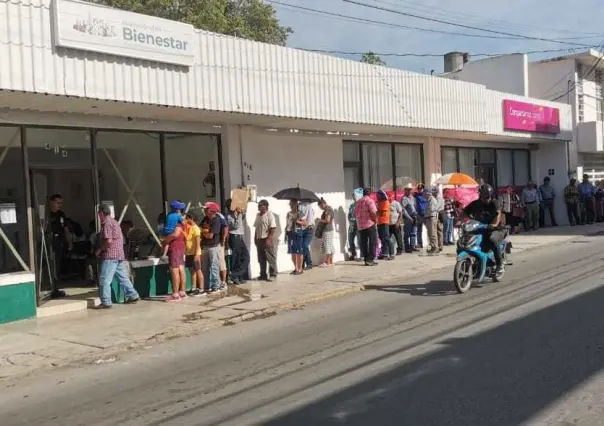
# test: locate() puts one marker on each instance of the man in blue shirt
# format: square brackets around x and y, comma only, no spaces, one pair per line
[587,193]
[548,194]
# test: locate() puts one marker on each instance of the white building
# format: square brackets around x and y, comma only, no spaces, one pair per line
[102,105]
[572,79]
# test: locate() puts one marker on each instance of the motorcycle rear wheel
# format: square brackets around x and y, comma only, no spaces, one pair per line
[462,275]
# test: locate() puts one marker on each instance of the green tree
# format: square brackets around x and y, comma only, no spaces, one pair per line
[372,58]
[251,19]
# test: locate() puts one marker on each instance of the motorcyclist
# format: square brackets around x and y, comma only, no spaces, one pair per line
[487,209]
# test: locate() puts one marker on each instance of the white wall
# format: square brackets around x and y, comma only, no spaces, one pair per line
[553,156]
[506,73]
[550,80]
[274,161]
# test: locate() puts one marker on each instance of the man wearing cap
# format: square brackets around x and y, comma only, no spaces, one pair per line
[211,237]
[265,226]
[410,218]
[431,220]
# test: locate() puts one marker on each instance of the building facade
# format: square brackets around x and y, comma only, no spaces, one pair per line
[572,79]
[106,106]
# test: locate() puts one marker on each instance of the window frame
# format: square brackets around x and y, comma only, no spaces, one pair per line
[361,163]
[478,163]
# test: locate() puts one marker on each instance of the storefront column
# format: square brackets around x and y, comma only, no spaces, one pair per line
[95,175]
[28,205]
[431,160]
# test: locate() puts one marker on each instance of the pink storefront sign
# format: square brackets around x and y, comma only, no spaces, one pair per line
[527,117]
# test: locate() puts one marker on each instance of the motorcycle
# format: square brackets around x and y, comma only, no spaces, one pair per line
[474,264]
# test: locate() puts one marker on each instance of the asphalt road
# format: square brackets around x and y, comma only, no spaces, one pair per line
[527,351]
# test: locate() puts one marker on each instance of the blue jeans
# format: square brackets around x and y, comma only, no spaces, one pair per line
[308,235]
[448,230]
[409,236]
[114,268]
[353,232]
[419,232]
[210,266]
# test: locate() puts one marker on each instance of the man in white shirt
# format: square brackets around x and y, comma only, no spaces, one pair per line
[264,237]
[307,213]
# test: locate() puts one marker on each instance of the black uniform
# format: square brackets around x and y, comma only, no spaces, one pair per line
[486,213]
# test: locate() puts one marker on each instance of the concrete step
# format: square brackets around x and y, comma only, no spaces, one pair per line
[61,306]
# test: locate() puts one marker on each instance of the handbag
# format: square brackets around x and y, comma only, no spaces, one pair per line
[320,228]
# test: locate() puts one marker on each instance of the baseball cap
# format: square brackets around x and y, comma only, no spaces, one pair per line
[210,205]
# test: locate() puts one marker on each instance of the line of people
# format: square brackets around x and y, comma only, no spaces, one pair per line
[381,225]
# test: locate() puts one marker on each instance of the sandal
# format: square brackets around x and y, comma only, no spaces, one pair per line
[173,298]
[323,265]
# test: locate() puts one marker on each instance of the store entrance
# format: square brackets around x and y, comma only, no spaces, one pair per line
[64,226]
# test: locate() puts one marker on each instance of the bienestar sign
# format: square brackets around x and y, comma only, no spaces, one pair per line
[86,26]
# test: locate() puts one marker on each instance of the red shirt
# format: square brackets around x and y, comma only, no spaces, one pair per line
[110,230]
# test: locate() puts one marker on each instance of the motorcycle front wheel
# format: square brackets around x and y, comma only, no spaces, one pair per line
[462,275]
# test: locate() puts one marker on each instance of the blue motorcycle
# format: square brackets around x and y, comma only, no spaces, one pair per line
[474,264]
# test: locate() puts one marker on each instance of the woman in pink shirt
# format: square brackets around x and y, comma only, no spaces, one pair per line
[365,213]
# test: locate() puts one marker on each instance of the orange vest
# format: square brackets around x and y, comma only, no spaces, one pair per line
[383,212]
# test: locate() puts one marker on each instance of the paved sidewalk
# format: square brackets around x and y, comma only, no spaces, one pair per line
[101,336]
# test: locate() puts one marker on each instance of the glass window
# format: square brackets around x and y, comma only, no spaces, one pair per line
[522,167]
[505,167]
[352,181]
[377,164]
[487,156]
[449,160]
[409,168]
[192,169]
[13,204]
[467,161]
[130,177]
[62,188]
[351,151]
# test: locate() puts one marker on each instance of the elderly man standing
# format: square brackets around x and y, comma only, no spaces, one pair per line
[547,193]
[531,199]
[265,226]
[112,260]
[431,220]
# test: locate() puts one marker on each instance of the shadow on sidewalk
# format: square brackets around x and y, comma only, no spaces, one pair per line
[430,288]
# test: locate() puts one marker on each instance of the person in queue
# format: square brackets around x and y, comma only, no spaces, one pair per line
[587,193]
[365,212]
[265,227]
[410,220]
[211,245]
[295,236]
[240,256]
[224,237]
[487,209]
[176,248]
[112,262]
[420,207]
[193,252]
[308,215]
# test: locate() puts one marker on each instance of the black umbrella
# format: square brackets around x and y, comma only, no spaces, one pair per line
[297,193]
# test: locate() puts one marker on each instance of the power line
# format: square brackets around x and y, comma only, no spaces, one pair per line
[436,55]
[448,13]
[455,24]
[389,24]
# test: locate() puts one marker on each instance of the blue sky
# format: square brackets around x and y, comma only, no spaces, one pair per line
[553,19]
